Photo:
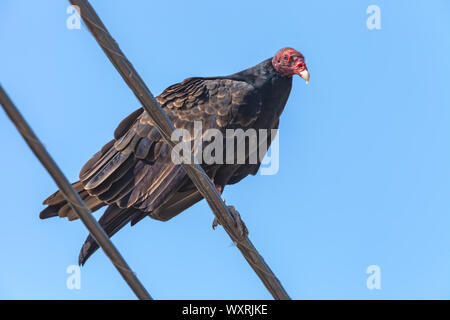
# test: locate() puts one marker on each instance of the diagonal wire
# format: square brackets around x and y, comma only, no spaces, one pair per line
[72,197]
[165,127]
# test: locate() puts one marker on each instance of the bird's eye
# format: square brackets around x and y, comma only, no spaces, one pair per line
[285,57]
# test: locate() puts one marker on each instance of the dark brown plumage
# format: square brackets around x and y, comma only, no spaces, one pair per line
[134,175]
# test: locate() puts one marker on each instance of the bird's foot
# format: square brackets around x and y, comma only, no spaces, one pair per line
[240,228]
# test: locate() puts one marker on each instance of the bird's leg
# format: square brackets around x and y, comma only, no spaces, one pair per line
[219,189]
[241,229]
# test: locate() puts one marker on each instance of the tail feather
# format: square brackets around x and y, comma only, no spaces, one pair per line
[50,211]
[115,218]
[112,220]
[179,202]
[58,206]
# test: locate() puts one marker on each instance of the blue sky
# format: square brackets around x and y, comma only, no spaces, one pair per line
[364,173]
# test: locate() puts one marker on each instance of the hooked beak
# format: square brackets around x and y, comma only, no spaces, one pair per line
[304,74]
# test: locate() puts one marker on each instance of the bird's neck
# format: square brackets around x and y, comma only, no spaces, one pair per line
[273,86]
[258,75]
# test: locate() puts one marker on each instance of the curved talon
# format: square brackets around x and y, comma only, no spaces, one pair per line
[241,229]
[215,223]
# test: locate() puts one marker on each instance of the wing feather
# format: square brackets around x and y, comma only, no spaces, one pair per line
[136,170]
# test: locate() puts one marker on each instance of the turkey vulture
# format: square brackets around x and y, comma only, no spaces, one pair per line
[134,174]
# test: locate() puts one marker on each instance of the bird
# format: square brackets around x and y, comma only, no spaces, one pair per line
[134,174]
